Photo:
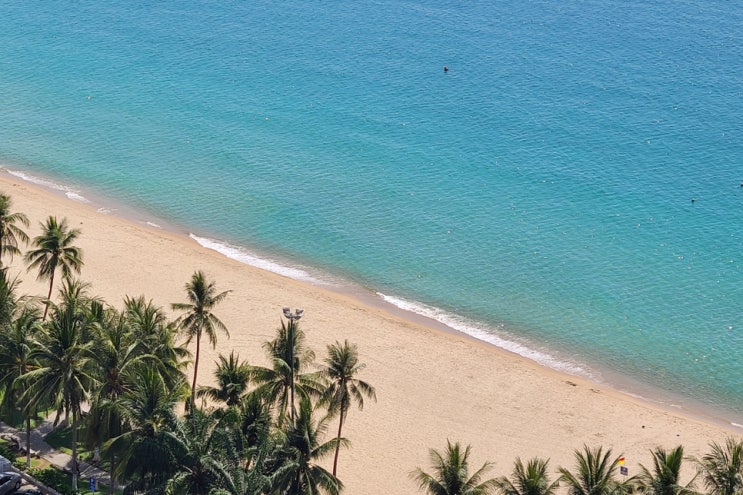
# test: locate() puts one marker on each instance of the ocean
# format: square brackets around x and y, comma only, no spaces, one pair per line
[569,188]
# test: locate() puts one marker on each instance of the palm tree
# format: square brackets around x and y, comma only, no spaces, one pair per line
[118,357]
[118,354]
[596,474]
[232,377]
[151,328]
[664,479]
[342,365]
[198,318]
[65,375]
[54,249]
[289,356]
[451,474]
[75,293]
[17,345]
[9,300]
[10,233]
[254,416]
[297,471]
[145,450]
[722,468]
[257,477]
[531,479]
[202,454]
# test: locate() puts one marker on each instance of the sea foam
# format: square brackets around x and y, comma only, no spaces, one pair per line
[244,256]
[484,333]
[69,192]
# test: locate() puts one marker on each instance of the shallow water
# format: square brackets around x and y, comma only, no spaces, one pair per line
[537,195]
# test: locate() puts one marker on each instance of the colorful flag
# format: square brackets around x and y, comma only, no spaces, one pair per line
[621,461]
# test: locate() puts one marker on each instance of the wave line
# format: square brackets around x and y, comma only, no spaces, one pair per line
[485,334]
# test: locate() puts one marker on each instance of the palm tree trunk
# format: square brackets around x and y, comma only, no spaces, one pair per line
[28,441]
[291,400]
[48,297]
[338,445]
[74,450]
[112,484]
[291,364]
[195,370]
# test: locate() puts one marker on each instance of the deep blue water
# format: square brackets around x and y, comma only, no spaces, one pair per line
[537,195]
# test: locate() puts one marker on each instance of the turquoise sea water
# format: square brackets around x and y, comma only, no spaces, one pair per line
[537,195]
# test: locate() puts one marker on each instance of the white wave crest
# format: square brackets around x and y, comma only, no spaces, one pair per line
[76,197]
[69,192]
[481,332]
[243,256]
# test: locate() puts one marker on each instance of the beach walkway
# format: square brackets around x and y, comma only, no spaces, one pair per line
[63,461]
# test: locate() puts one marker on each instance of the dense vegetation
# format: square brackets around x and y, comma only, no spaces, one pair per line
[117,377]
[596,472]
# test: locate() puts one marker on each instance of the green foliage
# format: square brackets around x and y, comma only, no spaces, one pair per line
[11,234]
[54,249]
[233,378]
[7,450]
[14,418]
[527,479]
[343,389]
[722,468]
[54,478]
[198,318]
[595,473]
[664,478]
[285,383]
[61,439]
[18,462]
[451,474]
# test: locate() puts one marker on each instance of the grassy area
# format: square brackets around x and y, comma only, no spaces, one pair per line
[9,452]
[100,489]
[61,439]
[62,482]
[51,474]
[36,463]
[13,418]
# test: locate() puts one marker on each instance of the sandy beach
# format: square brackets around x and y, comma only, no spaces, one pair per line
[431,385]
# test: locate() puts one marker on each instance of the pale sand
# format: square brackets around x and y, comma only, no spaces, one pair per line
[430,385]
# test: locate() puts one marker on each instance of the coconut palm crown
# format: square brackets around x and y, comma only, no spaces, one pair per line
[665,476]
[54,249]
[722,468]
[529,479]
[595,474]
[11,235]
[198,317]
[451,473]
[342,366]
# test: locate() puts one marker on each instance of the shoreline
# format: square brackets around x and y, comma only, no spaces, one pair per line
[387,341]
[548,359]
[417,313]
